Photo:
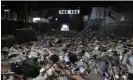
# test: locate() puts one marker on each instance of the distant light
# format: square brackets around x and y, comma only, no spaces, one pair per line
[3,5]
[64,27]
[29,56]
[50,17]
[36,19]
[56,19]
[69,12]
[122,18]
[6,10]
[101,17]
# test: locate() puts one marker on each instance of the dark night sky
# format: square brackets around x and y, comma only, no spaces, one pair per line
[85,6]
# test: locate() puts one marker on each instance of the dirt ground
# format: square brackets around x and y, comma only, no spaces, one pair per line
[94,76]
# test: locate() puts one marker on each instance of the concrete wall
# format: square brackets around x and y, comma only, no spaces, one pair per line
[120,29]
[128,16]
[118,26]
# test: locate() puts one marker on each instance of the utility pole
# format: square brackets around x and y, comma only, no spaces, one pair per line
[26,15]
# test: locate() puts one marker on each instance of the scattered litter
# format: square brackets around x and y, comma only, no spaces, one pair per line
[64,58]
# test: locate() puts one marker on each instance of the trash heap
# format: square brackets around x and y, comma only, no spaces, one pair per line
[61,58]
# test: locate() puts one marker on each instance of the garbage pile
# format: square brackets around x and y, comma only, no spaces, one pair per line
[8,40]
[59,58]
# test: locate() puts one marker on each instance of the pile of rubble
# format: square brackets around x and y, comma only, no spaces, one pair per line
[53,58]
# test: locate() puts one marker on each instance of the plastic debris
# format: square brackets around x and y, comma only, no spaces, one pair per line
[44,42]
[62,57]
[131,60]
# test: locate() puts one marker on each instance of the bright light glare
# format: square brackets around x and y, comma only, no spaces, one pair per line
[36,19]
[6,10]
[56,19]
[64,27]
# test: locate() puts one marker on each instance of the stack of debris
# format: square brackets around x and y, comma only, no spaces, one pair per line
[8,40]
[59,58]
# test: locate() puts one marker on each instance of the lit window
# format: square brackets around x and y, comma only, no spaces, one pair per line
[7,10]
[78,11]
[36,19]
[75,11]
[69,11]
[60,11]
